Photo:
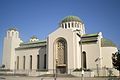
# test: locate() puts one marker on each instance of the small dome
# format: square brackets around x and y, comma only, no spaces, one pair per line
[107,43]
[12,29]
[21,41]
[34,37]
[71,18]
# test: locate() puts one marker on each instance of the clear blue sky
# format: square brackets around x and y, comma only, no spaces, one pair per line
[41,17]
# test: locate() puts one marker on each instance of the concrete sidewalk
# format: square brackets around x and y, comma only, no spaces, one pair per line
[51,78]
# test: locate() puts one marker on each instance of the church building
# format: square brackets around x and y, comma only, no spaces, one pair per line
[65,50]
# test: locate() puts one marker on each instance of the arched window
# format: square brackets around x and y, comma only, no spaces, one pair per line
[23,62]
[69,25]
[30,62]
[38,62]
[65,25]
[78,25]
[62,25]
[61,52]
[72,24]
[12,33]
[84,59]
[44,61]
[17,62]
[16,34]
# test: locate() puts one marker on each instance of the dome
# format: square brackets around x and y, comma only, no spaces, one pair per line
[107,43]
[10,29]
[71,18]
[33,37]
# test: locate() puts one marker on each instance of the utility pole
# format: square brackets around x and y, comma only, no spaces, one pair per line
[97,70]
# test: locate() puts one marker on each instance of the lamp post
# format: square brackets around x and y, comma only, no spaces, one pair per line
[54,66]
[56,62]
[55,74]
[55,70]
[97,70]
[96,60]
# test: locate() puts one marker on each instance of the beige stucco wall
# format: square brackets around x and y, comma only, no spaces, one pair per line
[69,36]
[27,53]
[92,53]
[107,56]
[11,41]
[34,52]
[93,50]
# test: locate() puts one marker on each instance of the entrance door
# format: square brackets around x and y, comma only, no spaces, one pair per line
[61,70]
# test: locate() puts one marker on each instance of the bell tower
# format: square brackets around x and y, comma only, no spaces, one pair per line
[11,41]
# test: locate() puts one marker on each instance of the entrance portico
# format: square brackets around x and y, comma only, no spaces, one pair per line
[60,57]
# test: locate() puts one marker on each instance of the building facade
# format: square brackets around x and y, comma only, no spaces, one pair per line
[67,48]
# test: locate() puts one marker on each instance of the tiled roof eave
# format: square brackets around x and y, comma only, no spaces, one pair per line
[90,41]
[29,47]
[38,42]
[90,35]
[108,46]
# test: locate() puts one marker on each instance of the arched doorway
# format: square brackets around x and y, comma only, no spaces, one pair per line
[60,55]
